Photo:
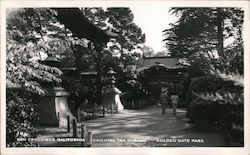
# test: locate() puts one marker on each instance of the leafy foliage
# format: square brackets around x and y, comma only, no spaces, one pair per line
[23,53]
[196,36]
[221,104]
[130,36]
[119,52]
[21,116]
[147,51]
[211,40]
[24,72]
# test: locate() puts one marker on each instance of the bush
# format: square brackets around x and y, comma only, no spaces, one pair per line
[218,101]
[220,115]
[209,111]
[21,116]
[202,84]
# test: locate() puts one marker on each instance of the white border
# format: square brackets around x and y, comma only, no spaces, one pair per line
[127,150]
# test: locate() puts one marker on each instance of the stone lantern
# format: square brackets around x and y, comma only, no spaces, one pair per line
[53,105]
[51,61]
[111,94]
[111,77]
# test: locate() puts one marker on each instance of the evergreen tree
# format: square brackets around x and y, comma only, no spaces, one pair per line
[201,36]
[119,53]
[200,33]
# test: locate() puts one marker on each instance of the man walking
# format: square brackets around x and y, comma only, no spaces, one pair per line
[164,100]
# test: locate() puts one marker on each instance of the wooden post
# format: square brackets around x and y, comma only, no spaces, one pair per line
[140,104]
[103,110]
[89,139]
[133,104]
[58,117]
[74,128]
[93,109]
[68,123]
[83,133]
[78,114]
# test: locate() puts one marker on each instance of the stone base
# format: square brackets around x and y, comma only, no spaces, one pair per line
[53,108]
[112,96]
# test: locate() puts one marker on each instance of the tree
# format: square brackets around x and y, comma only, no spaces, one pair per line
[119,52]
[200,33]
[147,51]
[24,72]
[130,36]
[24,46]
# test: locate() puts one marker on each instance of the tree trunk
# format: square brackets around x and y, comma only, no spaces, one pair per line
[78,57]
[98,49]
[220,24]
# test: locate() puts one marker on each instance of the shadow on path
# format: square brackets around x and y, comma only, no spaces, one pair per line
[148,127]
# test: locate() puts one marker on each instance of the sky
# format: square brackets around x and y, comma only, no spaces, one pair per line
[153,20]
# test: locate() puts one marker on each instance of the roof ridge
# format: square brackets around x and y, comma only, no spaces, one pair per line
[160,57]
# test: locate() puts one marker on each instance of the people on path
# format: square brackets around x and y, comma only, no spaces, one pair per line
[164,99]
[174,102]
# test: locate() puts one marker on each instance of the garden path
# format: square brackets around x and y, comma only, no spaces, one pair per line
[148,127]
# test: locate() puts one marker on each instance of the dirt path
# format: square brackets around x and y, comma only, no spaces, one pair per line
[148,127]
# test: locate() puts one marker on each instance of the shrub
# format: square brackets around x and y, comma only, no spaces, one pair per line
[21,117]
[210,111]
[202,84]
[219,105]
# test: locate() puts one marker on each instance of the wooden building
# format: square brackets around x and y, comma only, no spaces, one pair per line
[156,73]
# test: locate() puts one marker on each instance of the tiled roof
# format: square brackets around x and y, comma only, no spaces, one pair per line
[80,26]
[168,62]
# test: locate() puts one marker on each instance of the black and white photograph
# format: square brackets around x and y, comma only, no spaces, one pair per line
[125,76]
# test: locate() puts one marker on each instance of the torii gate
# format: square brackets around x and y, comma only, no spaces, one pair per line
[79,25]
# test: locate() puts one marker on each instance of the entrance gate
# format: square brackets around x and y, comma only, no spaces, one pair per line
[160,72]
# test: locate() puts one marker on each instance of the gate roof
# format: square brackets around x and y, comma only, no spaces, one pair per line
[165,62]
[80,26]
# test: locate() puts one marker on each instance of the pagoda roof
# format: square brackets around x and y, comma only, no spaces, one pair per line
[80,26]
[167,62]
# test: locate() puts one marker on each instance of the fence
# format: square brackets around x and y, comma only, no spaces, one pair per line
[79,130]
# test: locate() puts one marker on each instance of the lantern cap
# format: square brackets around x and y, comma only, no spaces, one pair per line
[51,61]
[111,72]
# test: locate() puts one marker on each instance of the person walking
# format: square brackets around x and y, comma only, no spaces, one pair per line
[174,102]
[164,100]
